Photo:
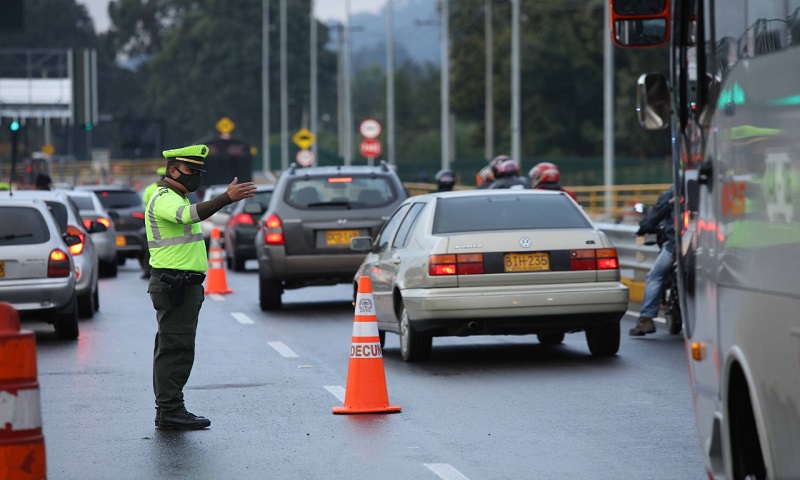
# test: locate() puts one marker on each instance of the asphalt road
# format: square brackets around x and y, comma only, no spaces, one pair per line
[481,408]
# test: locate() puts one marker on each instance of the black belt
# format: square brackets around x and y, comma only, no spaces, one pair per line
[192,278]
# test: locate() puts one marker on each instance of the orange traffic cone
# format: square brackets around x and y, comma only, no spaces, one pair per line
[366,382]
[215,280]
[21,440]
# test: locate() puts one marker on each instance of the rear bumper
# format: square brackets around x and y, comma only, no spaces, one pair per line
[301,270]
[34,295]
[515,309]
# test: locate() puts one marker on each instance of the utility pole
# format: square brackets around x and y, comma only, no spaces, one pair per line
[489,81]
[284,92]
[265,163]
[348,105]
[608,114]
[390,81]
[516,151]
[313,87]
[445,85]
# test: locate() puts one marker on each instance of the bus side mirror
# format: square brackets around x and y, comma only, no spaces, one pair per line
[638,24]
[652,101]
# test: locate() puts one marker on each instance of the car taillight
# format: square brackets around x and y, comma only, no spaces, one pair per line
[273,230]
[58,264]
[241,219]
[463,264]
[138,215]
[87,224]
[104,221]
[76,249]
[594,259]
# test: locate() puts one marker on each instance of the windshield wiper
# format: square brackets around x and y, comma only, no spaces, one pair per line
[329,204]
[14,236]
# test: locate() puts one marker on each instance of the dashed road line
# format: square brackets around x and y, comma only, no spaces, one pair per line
[445,471]
[242,318]
[281,348]
[336,390]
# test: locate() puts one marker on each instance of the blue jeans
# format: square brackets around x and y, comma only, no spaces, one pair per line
[654,288]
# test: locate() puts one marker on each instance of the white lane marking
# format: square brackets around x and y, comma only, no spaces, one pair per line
[217,297]
[336,390]
[282,349]
[636,316]
[242,318]
[445,471]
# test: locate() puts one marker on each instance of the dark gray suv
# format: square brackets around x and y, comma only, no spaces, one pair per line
[305,233]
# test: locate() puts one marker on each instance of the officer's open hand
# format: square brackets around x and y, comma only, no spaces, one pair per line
[238,191]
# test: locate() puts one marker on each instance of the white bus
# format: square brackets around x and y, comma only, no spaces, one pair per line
[732,101]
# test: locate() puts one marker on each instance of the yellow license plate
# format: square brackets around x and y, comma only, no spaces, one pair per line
[340,237]
[121,242]
[526,262]
[2,268]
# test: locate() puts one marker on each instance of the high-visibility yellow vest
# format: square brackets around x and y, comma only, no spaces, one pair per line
[174,235]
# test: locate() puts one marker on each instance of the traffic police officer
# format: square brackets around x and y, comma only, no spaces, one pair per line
[178,260]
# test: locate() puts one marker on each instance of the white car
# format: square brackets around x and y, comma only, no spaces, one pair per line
[220,219]
[92,210]
[493,262]
[84,253]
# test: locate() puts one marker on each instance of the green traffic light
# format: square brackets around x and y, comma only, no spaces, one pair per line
[88,126]
[14,126]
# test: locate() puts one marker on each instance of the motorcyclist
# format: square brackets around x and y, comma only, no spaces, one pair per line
[660,216]
[506,173]
[546,176]
[445,180]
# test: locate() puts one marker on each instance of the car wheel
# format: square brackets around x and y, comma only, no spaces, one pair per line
[238,264]
[382,337]
[551,338]
[269,294]
[121,259]
[603,340]
[96,298]
[414,346]
[228,261]
[66,321]
[109,269]
[86,305]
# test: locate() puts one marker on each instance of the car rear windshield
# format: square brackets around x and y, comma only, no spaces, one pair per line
[83,203]
[340,191]
[22,226]
[112,199]
[506,212]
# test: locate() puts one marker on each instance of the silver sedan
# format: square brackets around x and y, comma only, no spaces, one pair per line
[494,262]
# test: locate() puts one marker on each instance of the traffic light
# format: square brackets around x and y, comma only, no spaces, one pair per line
[14,127]
[88,126]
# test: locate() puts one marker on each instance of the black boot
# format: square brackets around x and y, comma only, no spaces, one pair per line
[182,421]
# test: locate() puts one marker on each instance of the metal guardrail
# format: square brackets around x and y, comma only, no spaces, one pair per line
[634,260]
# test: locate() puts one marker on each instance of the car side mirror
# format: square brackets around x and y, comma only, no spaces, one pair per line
[254,208]
[361,244]
[71,240]
[96,227]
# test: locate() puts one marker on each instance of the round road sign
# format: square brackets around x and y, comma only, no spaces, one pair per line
[370,128]
[304,158]
[370,148]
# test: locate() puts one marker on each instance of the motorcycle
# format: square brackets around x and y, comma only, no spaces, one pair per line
[669,301]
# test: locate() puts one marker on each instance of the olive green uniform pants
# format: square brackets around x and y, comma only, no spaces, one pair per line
[173,354]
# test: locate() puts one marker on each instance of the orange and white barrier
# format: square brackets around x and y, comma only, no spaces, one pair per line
[22,453]
[366,381]
[215,279]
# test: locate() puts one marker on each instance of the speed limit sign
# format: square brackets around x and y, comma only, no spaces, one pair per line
[304,158]
[370,128]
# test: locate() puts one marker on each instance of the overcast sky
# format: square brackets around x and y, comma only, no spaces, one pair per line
[325,10]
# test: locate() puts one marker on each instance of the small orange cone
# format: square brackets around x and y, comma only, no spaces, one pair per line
[215,280]
[366,382]
[22,454]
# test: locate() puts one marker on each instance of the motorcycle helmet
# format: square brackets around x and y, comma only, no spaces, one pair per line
[445,179]
[544,172]
[486,174]
[504,166]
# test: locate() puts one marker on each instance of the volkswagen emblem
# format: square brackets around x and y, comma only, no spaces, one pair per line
[525,242]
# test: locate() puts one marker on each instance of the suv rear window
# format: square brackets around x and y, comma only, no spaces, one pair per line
[341,191]
[83,203]
[112,199]
[22,226]
[506,212]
